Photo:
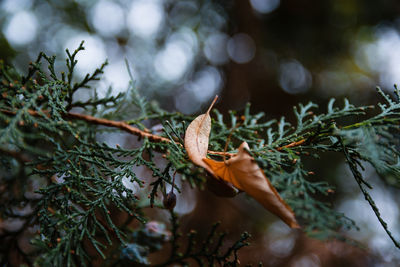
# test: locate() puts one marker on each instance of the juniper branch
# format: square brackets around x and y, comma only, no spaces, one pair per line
[83,180]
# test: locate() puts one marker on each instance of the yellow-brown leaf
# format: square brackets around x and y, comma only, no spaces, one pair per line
[197,136]
[196,145]
[243,172]
[196,139]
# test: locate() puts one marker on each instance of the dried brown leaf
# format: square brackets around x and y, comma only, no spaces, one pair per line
[197,137]
[243,172]
[196,145]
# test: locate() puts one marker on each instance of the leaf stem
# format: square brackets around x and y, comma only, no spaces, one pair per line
[212,104]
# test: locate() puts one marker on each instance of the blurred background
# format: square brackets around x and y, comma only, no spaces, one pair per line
[272,53]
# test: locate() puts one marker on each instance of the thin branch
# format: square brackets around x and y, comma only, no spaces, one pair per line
[293,144]
[120,125]
[360,181]
[133,130]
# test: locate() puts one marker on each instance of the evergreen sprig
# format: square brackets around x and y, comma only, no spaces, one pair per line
[73,185]
[208,252]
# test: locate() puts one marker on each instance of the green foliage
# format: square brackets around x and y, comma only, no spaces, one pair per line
[208,252]
[145,240]
[75,186]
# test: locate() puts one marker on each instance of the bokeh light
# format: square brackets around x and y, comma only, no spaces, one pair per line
[107,18]
[281,240]
[241,48]
[145,17]
[117,76]
[311,260]
[293,77]
[215,48]
[382,56]
[21,28]
[13,6]
[265,6]
[171,62]
[206,83]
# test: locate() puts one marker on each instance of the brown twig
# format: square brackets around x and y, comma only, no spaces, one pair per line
[118,124]
[135,131]
[293,144]
[132,130]
[220,153]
